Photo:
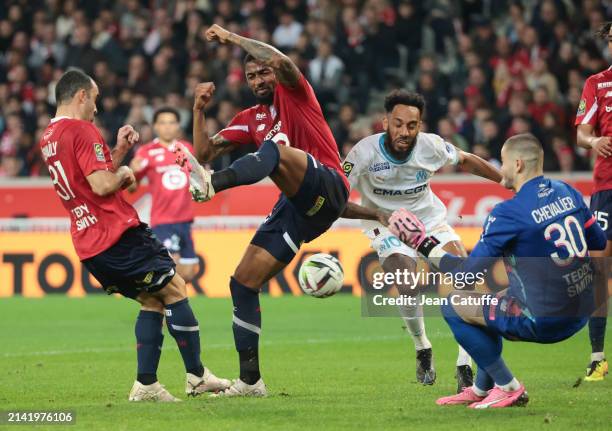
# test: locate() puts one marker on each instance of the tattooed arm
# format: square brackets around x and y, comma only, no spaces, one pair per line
[286,71]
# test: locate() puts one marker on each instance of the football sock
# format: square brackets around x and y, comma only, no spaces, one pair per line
[484,346]
[512,385]
[597,356]
[149,339]
[415,325]
[483,382]
[463,358]
[249,168]
[597,333]
[246,327]
[183,326]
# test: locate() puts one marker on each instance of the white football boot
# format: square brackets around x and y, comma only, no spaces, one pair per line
[154,392]
[241,389]
[195,385]
[200,182]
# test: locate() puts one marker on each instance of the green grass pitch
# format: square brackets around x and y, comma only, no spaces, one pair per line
[325,366]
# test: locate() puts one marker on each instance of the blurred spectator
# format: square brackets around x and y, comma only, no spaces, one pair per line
[288,32]
[325,73]
[487,69]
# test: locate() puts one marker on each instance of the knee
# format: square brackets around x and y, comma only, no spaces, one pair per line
[174,291]
[150,303]
[247,277]
[448,310]
[188,272]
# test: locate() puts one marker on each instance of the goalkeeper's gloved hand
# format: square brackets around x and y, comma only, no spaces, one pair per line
[410,230]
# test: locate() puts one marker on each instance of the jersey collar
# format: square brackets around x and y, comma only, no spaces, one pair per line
[56,119]
[388,156]
[532,182]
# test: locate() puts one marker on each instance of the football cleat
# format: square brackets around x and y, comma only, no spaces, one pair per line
[241,389]
[425,371]
[195,385]
[154,392]
[466,396]
[498,398]
[465,377]
[200,180]
[596,371]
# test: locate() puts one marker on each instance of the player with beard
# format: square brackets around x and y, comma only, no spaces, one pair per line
[298,152]
[392,170]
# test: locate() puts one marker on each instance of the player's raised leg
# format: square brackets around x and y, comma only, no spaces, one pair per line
[286,166]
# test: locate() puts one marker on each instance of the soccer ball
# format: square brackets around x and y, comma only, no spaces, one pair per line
[321,275]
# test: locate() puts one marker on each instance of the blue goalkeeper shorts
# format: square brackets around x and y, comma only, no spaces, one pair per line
[512,320]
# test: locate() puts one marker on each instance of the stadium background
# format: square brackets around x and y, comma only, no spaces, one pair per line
[487,69]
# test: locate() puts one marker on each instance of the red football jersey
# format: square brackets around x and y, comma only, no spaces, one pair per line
[168,184]
[72,150]
[596,109]
[295,113]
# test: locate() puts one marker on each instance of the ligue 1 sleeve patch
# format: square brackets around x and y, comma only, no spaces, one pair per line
[347,167]
[581,107]
[99,151]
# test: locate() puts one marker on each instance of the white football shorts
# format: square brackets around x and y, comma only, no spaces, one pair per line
[386,244]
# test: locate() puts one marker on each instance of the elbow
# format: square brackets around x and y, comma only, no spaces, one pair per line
[279,61]
[203,156]
[102,188]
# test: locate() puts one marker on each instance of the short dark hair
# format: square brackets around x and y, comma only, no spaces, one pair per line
[166,110]
[248,58]
[525,143]
[403,97]
[71,82]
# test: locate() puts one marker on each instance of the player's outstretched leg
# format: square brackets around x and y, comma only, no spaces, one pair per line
[485,346]
[149,339]
[285,165]
[183,326]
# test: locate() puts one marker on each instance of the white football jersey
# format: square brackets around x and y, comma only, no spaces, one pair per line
[387,183]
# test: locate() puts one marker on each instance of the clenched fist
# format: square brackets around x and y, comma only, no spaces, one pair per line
[202,95]
[217,33]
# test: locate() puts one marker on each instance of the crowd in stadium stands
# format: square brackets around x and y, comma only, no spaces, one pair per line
[487,68]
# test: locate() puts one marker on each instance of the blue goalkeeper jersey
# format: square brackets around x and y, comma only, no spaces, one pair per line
[544,234]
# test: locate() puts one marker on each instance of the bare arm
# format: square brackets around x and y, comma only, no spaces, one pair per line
[586,138]
[126,138]
[286,71]
[104,183]
[356,211]
[205,147]
[478,166]
[135,166]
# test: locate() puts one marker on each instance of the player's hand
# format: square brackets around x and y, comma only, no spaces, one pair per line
[127,136]
[407,227]
[383,217]
[217,33]
[202,95]
[128,178]
[602,146]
